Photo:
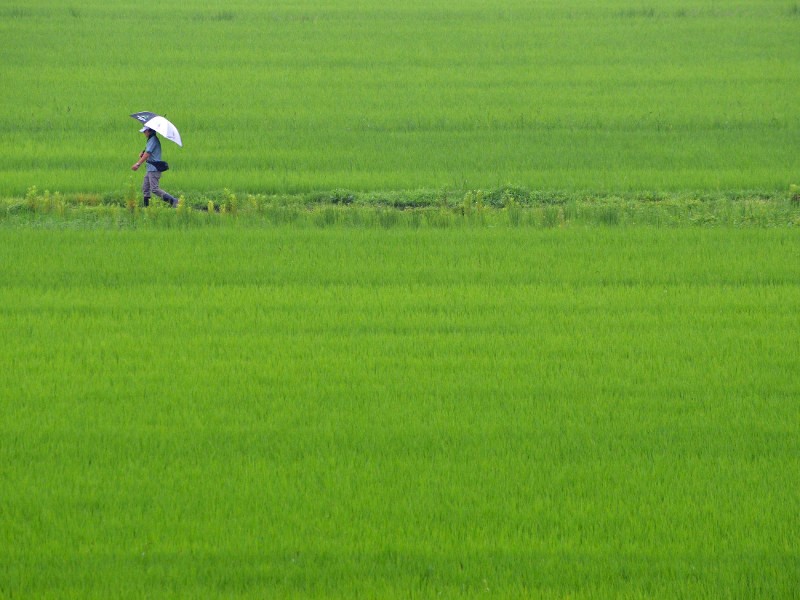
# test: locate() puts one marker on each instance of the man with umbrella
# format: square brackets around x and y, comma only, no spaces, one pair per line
[152,157]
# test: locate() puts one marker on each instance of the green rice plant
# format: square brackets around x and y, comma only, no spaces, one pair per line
[231,202]
[32,198]
[438,218]
[389,218]
[306,99]
[552,216]
[466,204]
[360,411]
[609,214]
[325,217]
[131,195]
[512,209]
[414,219]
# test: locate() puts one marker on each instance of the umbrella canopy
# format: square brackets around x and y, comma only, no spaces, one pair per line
[160,125]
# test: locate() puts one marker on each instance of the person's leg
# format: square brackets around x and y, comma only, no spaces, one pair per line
[156,175]
[146,188]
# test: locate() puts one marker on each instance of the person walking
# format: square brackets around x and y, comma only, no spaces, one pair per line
[152,156]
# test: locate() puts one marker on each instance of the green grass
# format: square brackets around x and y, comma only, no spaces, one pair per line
[504,207]
[291,97]
[462,299]
[338,412]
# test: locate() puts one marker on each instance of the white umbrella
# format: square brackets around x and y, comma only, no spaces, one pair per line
[160,125]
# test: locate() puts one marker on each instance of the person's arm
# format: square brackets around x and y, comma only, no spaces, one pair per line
[142,158]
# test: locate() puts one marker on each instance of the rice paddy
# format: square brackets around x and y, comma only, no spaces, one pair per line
[607,97]
[461,300]
[337,412]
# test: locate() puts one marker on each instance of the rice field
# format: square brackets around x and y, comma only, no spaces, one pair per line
[338,412]
[461,300]
[605,97]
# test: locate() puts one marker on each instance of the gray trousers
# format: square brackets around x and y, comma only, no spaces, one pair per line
[150,186]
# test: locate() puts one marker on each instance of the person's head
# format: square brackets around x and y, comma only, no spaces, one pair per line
[146,131]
